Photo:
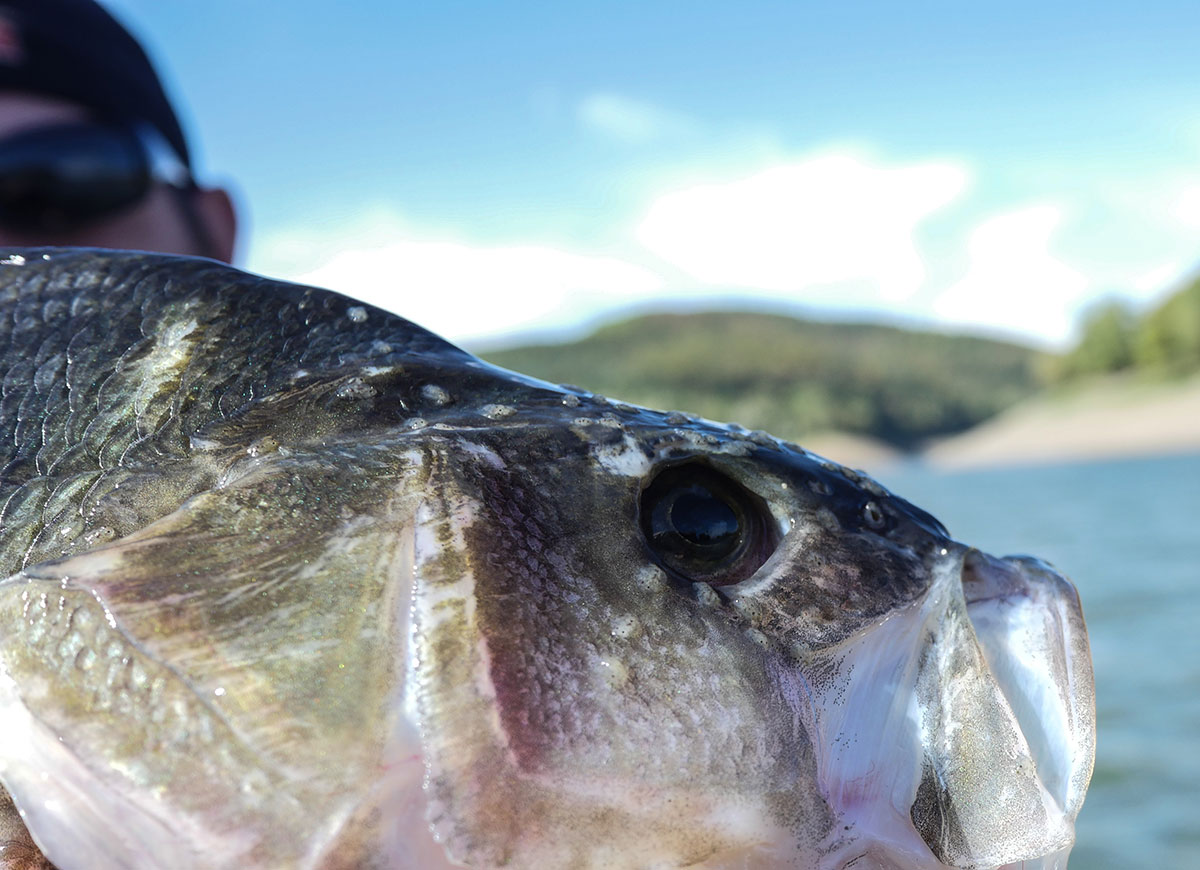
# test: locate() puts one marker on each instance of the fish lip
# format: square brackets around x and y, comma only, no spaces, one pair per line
[989,578]
[1024,604]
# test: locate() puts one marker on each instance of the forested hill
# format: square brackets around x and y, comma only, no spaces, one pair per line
[1162,342]
[792,377]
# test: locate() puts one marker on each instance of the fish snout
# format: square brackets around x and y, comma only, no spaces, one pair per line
[1006,705]
[1009,719]
[1029,624]
[960,731]
[1006,709]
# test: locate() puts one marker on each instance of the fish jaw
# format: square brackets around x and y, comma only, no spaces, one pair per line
[977,753]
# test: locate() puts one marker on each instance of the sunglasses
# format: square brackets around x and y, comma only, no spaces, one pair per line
[63,177]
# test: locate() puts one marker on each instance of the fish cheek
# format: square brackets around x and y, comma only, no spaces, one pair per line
[532,611]
[501,692]
[610,741]
[830,584]
[575,618]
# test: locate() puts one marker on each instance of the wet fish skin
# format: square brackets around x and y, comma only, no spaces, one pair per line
[321,583]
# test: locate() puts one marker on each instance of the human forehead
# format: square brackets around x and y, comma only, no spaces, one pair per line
[20,110]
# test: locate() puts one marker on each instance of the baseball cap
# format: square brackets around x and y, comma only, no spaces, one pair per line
[75,50]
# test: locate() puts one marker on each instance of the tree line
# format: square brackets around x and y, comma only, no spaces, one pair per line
[793,377]
[797,377]
[1114,338]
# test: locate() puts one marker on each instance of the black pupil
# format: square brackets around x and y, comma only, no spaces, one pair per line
[703,526]
[702,519]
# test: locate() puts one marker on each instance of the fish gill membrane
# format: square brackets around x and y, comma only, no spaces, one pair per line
[292,582]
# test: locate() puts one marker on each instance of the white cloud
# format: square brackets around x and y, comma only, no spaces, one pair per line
[286,252]
[459,290]
[1013,282]
[833,228]
[834,231]
[1187,208]
[1159,280]
[630,121]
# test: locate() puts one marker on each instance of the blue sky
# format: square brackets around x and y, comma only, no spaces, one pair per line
[494,170]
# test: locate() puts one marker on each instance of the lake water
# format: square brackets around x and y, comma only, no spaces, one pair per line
[1128,533]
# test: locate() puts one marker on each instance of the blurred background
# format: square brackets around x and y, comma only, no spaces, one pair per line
[956,244]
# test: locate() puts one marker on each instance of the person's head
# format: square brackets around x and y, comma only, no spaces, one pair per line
[91,152]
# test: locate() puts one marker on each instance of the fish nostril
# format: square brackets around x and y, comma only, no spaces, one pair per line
[874,516]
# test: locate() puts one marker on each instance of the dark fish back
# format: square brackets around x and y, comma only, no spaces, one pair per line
[112,362]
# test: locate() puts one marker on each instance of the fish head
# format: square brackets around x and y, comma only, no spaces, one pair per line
[334,593]
[647,640]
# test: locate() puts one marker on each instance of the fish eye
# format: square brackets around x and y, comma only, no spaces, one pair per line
[702,526]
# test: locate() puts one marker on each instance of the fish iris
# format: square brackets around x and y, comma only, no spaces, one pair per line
[703,526]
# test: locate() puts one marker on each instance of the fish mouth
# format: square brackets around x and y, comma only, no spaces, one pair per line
[1029,623]
[960,732]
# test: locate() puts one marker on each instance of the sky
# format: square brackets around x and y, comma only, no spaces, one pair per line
[501,172]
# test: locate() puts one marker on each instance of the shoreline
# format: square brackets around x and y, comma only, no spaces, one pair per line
[1113,418]
[1106,419]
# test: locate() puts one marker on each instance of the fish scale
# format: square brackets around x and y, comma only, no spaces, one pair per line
[96,434]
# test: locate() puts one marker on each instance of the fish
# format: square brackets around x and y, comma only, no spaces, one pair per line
[292,582]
